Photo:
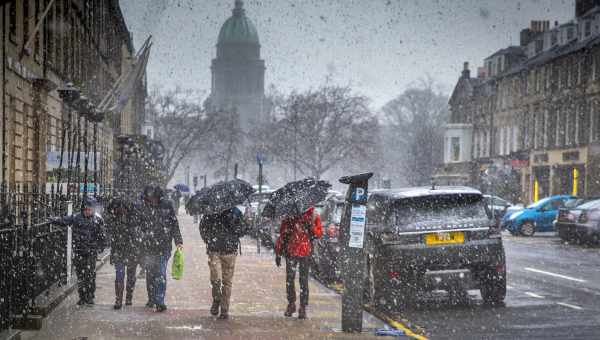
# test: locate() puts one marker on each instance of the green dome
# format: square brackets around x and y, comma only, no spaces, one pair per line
[238,28]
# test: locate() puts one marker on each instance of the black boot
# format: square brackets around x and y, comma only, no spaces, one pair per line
[302,312]
[129,295]
[214,309]
[119,286]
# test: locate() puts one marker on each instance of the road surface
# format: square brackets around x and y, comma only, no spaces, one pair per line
[553,293]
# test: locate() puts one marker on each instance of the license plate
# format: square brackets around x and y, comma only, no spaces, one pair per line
[453,237]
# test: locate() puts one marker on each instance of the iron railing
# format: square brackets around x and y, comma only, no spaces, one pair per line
[33,252]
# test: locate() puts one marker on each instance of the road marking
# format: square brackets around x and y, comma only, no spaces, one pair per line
[534,295]
[394,323]
[569,305]
[554,274]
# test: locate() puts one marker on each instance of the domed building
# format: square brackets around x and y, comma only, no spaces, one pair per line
[238,72]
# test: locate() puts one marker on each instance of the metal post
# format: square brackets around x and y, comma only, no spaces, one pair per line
[95,159]
[352,233]
[235,171]
[86,157]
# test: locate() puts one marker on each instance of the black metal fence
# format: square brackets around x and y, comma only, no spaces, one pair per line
[33,252]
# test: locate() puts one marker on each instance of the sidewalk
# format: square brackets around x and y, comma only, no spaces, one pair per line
[257,306]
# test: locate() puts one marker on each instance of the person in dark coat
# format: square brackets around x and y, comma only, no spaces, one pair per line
[89,239]
[160,228]
[125,240]
[221,233]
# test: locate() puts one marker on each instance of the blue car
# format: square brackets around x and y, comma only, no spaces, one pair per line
[537,217]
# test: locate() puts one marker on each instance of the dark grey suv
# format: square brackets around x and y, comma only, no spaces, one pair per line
[424,239]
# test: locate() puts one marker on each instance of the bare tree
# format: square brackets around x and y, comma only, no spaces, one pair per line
[227,146]
[319,129]
[180,123]
[415,135]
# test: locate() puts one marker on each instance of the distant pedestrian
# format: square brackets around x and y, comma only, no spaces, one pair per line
[160,228]
[294,243]
[125,240]
[222,233]
[89,239]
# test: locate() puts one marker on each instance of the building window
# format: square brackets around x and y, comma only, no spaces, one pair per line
[583,125]
[455,149]
[588,28]
[12,25]
[539,46]
[25,8]
[570,33]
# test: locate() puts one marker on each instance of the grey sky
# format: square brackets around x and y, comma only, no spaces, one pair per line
[378,46]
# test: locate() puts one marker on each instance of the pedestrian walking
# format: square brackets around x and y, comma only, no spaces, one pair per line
[159,228]
[221,233]
[294,243]
[125,240]
[88,240]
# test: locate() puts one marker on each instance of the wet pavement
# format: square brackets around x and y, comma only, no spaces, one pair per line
[553,293]
[258,303]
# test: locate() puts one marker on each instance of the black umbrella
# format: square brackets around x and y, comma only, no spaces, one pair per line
[295,197]
[222,196]
[194,204]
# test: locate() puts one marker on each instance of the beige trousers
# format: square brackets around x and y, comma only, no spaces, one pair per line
[221,272]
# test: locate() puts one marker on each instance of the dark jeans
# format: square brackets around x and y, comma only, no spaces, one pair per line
[85,268]
[129,268]
[156,277]
[303,264]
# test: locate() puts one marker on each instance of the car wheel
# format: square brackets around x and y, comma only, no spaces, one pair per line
[527,229]
[493,288]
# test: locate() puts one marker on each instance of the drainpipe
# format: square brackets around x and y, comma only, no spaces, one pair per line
[3,96]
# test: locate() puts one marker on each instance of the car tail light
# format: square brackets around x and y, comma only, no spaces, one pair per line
[583,217]
[394,275]
[500,268]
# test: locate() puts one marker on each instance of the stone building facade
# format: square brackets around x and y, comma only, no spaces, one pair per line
[532,113]
[83,42]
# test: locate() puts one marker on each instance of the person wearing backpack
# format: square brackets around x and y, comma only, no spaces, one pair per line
[222,232]
[295,244]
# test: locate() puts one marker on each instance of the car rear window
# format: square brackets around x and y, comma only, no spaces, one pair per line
[590,205]
[438,208]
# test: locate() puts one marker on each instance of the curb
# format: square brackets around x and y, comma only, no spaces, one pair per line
[381,316]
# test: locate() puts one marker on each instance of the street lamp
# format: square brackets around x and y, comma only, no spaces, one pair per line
[69,93]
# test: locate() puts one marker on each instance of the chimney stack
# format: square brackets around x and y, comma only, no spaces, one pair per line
[466,73]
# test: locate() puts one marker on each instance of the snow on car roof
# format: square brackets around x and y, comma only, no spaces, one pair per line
[424,191]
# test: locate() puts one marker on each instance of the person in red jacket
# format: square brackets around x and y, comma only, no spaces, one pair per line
[294,243]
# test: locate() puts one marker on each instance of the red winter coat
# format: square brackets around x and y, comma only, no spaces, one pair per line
[298,244]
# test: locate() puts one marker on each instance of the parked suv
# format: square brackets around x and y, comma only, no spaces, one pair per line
[424,239]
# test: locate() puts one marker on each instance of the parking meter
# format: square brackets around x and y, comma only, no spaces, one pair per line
[352,236]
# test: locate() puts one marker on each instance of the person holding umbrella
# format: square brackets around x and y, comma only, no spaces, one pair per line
[125,240]
[300,224]
[222,232]
[294,243]
[160,228]
[221,228]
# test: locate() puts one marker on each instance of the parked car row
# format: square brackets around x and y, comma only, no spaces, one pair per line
[580,223]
